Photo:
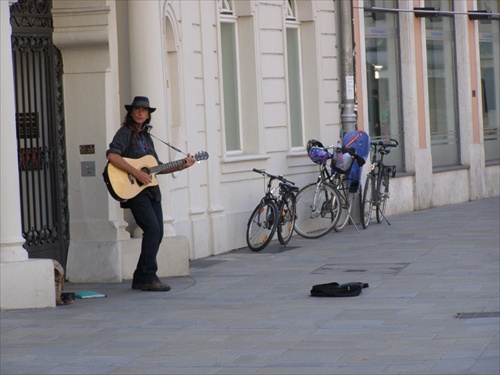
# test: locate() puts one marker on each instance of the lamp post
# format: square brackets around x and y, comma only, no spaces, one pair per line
[348,116]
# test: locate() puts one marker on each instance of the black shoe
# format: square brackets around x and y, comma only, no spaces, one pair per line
[137,285]
[155,286]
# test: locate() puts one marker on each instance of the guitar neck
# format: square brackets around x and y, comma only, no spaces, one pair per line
[162,167]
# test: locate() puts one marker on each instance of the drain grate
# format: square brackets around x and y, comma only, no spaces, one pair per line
[365,268]
[494,314]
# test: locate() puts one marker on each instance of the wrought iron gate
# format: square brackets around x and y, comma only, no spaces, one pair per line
[40,131]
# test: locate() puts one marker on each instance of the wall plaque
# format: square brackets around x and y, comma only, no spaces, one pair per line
[87,149]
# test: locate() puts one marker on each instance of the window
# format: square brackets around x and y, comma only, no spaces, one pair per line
[383,77]
[230,83]
[489,52]
[294,76]
[441,73]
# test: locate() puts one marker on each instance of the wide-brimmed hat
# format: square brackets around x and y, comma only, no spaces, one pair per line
[141,102]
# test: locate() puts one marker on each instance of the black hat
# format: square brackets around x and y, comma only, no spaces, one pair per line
[141,102]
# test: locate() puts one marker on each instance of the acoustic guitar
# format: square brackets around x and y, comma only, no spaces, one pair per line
[123,186]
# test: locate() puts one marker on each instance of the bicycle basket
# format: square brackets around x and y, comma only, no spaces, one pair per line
[318,154]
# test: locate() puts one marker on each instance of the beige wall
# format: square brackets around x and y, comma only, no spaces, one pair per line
[177,64]
[169,51]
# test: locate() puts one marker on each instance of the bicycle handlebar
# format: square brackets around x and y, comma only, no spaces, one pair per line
[281,178]
[381,143]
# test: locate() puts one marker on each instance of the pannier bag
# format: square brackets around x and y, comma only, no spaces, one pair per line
[338,290]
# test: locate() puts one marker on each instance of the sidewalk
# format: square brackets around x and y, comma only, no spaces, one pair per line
[433,307]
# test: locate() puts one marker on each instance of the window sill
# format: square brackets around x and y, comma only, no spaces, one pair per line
[449,168]
[244,157]
[492,163]
[243,162]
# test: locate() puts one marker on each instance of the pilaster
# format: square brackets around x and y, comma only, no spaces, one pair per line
[147,76]
[24,283]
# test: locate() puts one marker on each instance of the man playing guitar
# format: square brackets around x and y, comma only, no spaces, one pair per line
[133,141]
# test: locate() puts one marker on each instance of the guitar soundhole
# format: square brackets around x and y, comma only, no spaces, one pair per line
[145,170]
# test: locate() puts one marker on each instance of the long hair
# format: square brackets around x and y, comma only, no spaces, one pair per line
[129,121]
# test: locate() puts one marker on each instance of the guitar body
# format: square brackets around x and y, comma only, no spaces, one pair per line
[125,186]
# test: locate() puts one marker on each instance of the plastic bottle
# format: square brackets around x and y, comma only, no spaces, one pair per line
[339,160]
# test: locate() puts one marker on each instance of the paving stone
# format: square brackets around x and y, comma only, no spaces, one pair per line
[251,313]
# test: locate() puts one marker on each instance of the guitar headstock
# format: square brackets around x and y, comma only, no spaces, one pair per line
[201,155]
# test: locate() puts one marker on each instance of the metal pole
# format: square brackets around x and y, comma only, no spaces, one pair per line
[348,116]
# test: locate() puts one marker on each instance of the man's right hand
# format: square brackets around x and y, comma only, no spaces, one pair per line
[143,177]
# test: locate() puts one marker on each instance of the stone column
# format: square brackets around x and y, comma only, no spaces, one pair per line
[147,78]
[146,48]
[24,283]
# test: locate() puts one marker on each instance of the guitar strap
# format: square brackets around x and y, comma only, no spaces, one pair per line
[149,127]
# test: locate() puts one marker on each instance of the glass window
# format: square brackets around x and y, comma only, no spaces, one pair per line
[383,78]
[294,86]
[489,52]
[290,10]
[293,54]
[441,73]
[230,86]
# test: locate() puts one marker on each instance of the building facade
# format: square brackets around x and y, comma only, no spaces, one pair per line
[250,82]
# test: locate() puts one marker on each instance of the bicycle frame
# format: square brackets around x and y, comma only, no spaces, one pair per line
[379,172]
[285,187]
[323,177]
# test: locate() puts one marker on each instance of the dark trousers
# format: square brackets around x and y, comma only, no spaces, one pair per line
[148,215]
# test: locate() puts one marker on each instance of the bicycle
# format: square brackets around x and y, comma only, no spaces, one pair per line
[319,204]
[275,212]
[344,190]
[376,190]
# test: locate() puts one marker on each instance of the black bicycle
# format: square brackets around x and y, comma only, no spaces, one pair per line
[376,191]
[275,212]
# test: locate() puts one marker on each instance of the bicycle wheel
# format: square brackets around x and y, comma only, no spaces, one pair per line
[383,194]
[318,210]
[287,219]
[262,225]
[367,203]
[347,200]
[360,202]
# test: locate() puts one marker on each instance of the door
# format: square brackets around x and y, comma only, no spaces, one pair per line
[41,148]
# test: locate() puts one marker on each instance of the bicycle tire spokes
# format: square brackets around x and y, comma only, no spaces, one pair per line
[287,219]
[371,198]
[261,226]
[318,209]
[383,192]
[275,212]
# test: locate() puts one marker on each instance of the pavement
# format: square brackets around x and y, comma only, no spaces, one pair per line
[432,307]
